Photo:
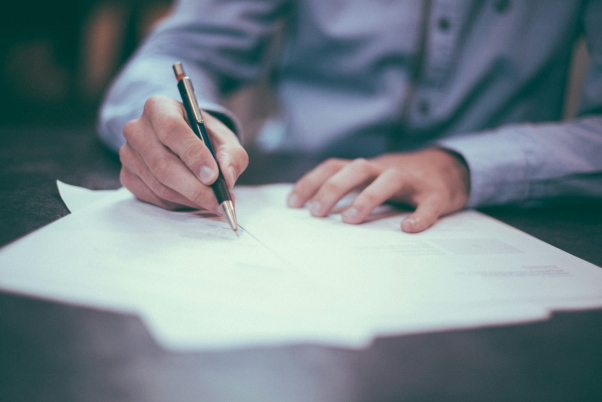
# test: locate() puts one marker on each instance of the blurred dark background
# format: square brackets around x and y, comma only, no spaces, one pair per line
[57,57]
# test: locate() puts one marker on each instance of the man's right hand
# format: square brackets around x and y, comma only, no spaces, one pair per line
[164,162]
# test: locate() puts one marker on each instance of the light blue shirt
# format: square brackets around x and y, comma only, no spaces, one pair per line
[362,77]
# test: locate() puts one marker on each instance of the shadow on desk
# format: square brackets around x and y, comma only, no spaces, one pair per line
[53,352]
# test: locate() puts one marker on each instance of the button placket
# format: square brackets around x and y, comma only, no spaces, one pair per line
[502,6]
[443,35]
[444,24]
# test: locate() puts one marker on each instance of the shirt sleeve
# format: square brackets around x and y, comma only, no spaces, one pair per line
[533,163]
[221,44]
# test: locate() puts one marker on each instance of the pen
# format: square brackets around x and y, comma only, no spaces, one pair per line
[197,123]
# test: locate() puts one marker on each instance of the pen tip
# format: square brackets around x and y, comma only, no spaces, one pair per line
[228,210]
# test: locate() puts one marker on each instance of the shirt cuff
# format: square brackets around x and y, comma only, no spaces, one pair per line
[497,165]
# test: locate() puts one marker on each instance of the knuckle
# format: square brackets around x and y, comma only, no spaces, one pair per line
[332,186]
[162,169]
[313,182]
[123,154]
[395,175]
[369,198]
[152,104]
[242,158]
[191,154]
[361,164]
[130,130]
[223,155]
[124,178]
[233,155]
[332,163]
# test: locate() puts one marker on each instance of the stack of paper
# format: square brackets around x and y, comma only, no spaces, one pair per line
[290,277]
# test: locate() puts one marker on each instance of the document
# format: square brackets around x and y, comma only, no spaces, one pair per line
[289,277]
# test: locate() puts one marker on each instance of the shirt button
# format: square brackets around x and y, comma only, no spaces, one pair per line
[501,6]
[424,107]
[443,24]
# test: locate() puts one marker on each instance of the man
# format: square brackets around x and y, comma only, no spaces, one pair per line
[445,103]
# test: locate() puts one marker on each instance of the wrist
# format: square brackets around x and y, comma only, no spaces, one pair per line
[458,169]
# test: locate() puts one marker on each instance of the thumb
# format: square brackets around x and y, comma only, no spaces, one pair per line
[425,215]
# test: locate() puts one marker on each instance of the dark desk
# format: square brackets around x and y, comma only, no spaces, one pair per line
[54,352]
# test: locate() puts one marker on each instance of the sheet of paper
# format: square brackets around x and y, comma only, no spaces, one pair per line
[169,266]
[192,329]
[54,263]
[291,278]
[77,198]
[466,257]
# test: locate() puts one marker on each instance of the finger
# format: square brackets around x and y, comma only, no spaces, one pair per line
[231,156]
[391,182]
[426,214]
[141,190]
[311,182]
[232,161]
[168,120]
[166,166]
[351,176]
[134,163]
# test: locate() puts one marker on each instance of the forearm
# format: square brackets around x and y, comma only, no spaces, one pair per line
[529,163]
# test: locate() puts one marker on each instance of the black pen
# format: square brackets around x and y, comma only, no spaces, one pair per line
[195,117]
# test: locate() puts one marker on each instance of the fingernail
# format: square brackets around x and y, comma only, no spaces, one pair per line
[315,207]
[411,222]
[207,174]
[293,200]
[350,214]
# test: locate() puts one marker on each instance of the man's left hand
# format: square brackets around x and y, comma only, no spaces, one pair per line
[435,181]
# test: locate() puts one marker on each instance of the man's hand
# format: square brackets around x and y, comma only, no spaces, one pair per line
[165,163]
[435,181]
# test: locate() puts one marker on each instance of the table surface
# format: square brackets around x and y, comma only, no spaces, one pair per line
[55,352]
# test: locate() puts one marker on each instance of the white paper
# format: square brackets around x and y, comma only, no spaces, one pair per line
[291,278]
[466,257]
[77,198]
